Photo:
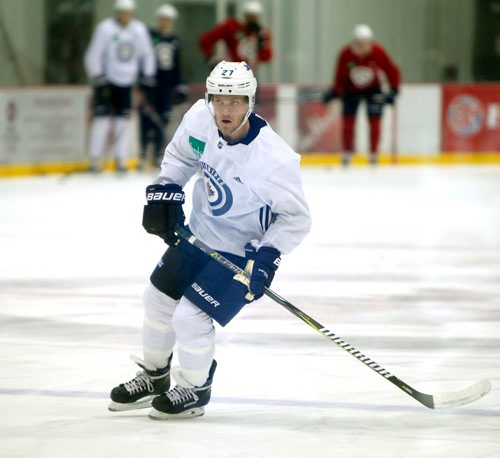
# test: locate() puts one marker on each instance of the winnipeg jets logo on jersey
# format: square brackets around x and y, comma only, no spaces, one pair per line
[165,55]
[219,195]
[362,76]
[125,51]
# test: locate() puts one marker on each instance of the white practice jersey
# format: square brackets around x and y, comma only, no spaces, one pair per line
[117,52]
[250,191]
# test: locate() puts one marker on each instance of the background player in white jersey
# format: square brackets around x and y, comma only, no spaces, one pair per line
[248,204]
[119,47]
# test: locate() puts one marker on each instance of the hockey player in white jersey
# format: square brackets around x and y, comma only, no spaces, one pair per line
[120,47]
[248,203]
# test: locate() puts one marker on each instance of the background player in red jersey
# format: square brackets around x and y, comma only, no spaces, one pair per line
[245,40]
[363,67]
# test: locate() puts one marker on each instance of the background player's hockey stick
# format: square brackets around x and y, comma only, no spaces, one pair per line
[432,401]
[153,115]
[394,134]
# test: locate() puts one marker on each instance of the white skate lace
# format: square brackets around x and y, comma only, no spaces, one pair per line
[140,383]
[180,394]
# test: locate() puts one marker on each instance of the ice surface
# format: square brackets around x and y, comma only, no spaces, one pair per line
[403,263]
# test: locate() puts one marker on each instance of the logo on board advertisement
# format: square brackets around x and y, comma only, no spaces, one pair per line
[465,115]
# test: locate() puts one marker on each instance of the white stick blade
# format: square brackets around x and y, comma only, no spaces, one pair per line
[462,397]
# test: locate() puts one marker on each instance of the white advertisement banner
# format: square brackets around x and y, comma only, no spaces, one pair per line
[41,125]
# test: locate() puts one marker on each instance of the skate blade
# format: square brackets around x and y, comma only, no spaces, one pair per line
[117,407]
[191,413]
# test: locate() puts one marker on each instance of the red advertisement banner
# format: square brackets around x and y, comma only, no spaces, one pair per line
[319,124]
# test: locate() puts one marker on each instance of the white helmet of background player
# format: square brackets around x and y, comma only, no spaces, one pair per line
[232,78]
[167,11]
[253,7]
[125,5]
[362,32]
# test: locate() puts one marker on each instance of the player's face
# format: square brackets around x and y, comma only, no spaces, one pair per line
[165,24]
[230,111]
[361,47]
[124,17]
[251,18]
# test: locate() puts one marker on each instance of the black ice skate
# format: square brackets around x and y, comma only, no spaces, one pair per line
[181,402]
[140,391]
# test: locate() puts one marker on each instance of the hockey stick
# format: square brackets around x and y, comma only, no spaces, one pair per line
[394,134]
[432,401]
[153,115]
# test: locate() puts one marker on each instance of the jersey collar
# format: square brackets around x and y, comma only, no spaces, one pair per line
[256,123]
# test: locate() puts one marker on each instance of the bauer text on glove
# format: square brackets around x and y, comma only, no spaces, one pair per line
[163,211]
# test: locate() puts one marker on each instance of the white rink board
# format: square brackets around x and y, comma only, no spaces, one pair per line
[417,121]
[41,125]
[49,124]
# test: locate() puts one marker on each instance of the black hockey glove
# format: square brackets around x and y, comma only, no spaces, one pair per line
[147,81]
[147,86]
[329,95]
[180,94]
[265,264]
[98,81]
[390,97]
[163,211]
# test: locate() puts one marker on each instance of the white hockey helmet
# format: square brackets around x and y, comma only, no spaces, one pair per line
[167,11]
[253,7]
[232,78]
[125,5]
[362,32]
